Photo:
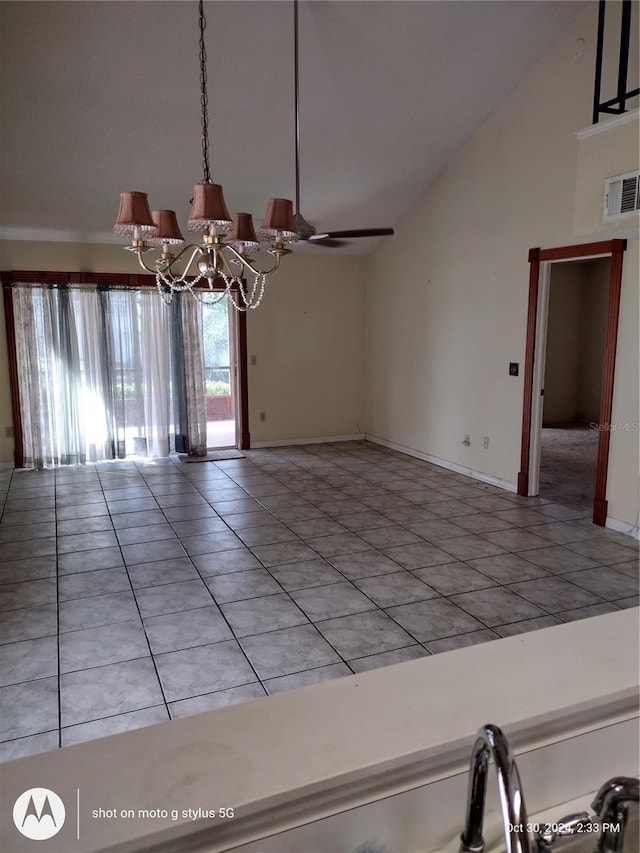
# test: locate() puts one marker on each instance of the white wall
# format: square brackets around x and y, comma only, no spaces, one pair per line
[447,296]
[607,150]
[307,336]
[624,462]
[308,339]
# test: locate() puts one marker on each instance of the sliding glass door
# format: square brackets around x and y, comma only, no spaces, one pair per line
[219,347]
[106,373]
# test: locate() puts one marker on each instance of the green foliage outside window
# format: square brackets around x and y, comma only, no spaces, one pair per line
[215,323]
[212,388]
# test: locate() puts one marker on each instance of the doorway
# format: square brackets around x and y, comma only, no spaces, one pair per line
[219,332]
[542,264]
[574,352]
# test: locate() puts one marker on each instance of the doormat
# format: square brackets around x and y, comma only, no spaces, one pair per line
[214,456]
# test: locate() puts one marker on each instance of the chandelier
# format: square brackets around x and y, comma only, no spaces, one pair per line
[227,240]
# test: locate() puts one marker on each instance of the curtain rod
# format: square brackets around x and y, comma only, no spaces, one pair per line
[63,277]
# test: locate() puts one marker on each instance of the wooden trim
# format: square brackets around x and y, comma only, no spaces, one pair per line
[600,510]
[523,484]
[14,388]
[608,376]
[532,314]
[36,277]
[62,277]
[584,250]
[105,278]
[243,383]
[614,248]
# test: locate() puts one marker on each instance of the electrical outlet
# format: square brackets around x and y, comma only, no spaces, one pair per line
[263,416]
[467,441]
[485,442]
[8,432]
[254,360]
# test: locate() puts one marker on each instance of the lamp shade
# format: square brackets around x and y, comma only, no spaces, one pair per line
[134,214]
[208,208]
[278,221]
[242,234]
[168,228]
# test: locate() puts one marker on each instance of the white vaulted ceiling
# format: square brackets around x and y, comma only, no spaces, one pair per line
[100,97]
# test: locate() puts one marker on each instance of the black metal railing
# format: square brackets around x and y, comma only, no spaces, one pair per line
[618,104]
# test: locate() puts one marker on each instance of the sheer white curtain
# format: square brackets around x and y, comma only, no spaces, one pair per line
[193,353]
[32,312]
[50,389]
[155,372]
[94,405]
[94,373]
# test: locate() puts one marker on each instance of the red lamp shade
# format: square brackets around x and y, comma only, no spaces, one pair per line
[242,234]
[168,228]
[208,208]
[278,221]
[134,214]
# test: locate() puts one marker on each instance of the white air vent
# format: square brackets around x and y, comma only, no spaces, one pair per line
[622,195]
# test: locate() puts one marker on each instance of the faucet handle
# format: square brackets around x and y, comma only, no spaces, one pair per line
[612,807]
[549,833]
[615,792]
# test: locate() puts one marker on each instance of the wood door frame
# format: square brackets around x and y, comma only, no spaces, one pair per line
[539,261]
[9,278]
[242,382]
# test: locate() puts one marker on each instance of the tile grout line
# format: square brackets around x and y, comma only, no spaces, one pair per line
[376,607]
[320,473]
[226,622]
[266,568]
[284,591]
[126,568]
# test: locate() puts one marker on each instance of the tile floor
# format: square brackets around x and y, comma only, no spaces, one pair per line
[132,593]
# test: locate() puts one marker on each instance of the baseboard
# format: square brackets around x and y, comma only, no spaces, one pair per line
[623,527]
[324,439]
[444,463]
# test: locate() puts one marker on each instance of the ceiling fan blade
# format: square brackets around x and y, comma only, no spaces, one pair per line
[350,235]
[327,242]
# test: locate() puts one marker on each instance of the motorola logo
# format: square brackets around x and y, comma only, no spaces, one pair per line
[39,814]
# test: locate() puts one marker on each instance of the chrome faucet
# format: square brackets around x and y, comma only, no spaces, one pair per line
[492,743]
[611,806]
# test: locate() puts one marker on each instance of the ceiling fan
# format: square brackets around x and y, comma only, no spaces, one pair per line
[306,232]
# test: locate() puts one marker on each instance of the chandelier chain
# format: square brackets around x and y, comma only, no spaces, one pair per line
[204,100]
[180,270]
